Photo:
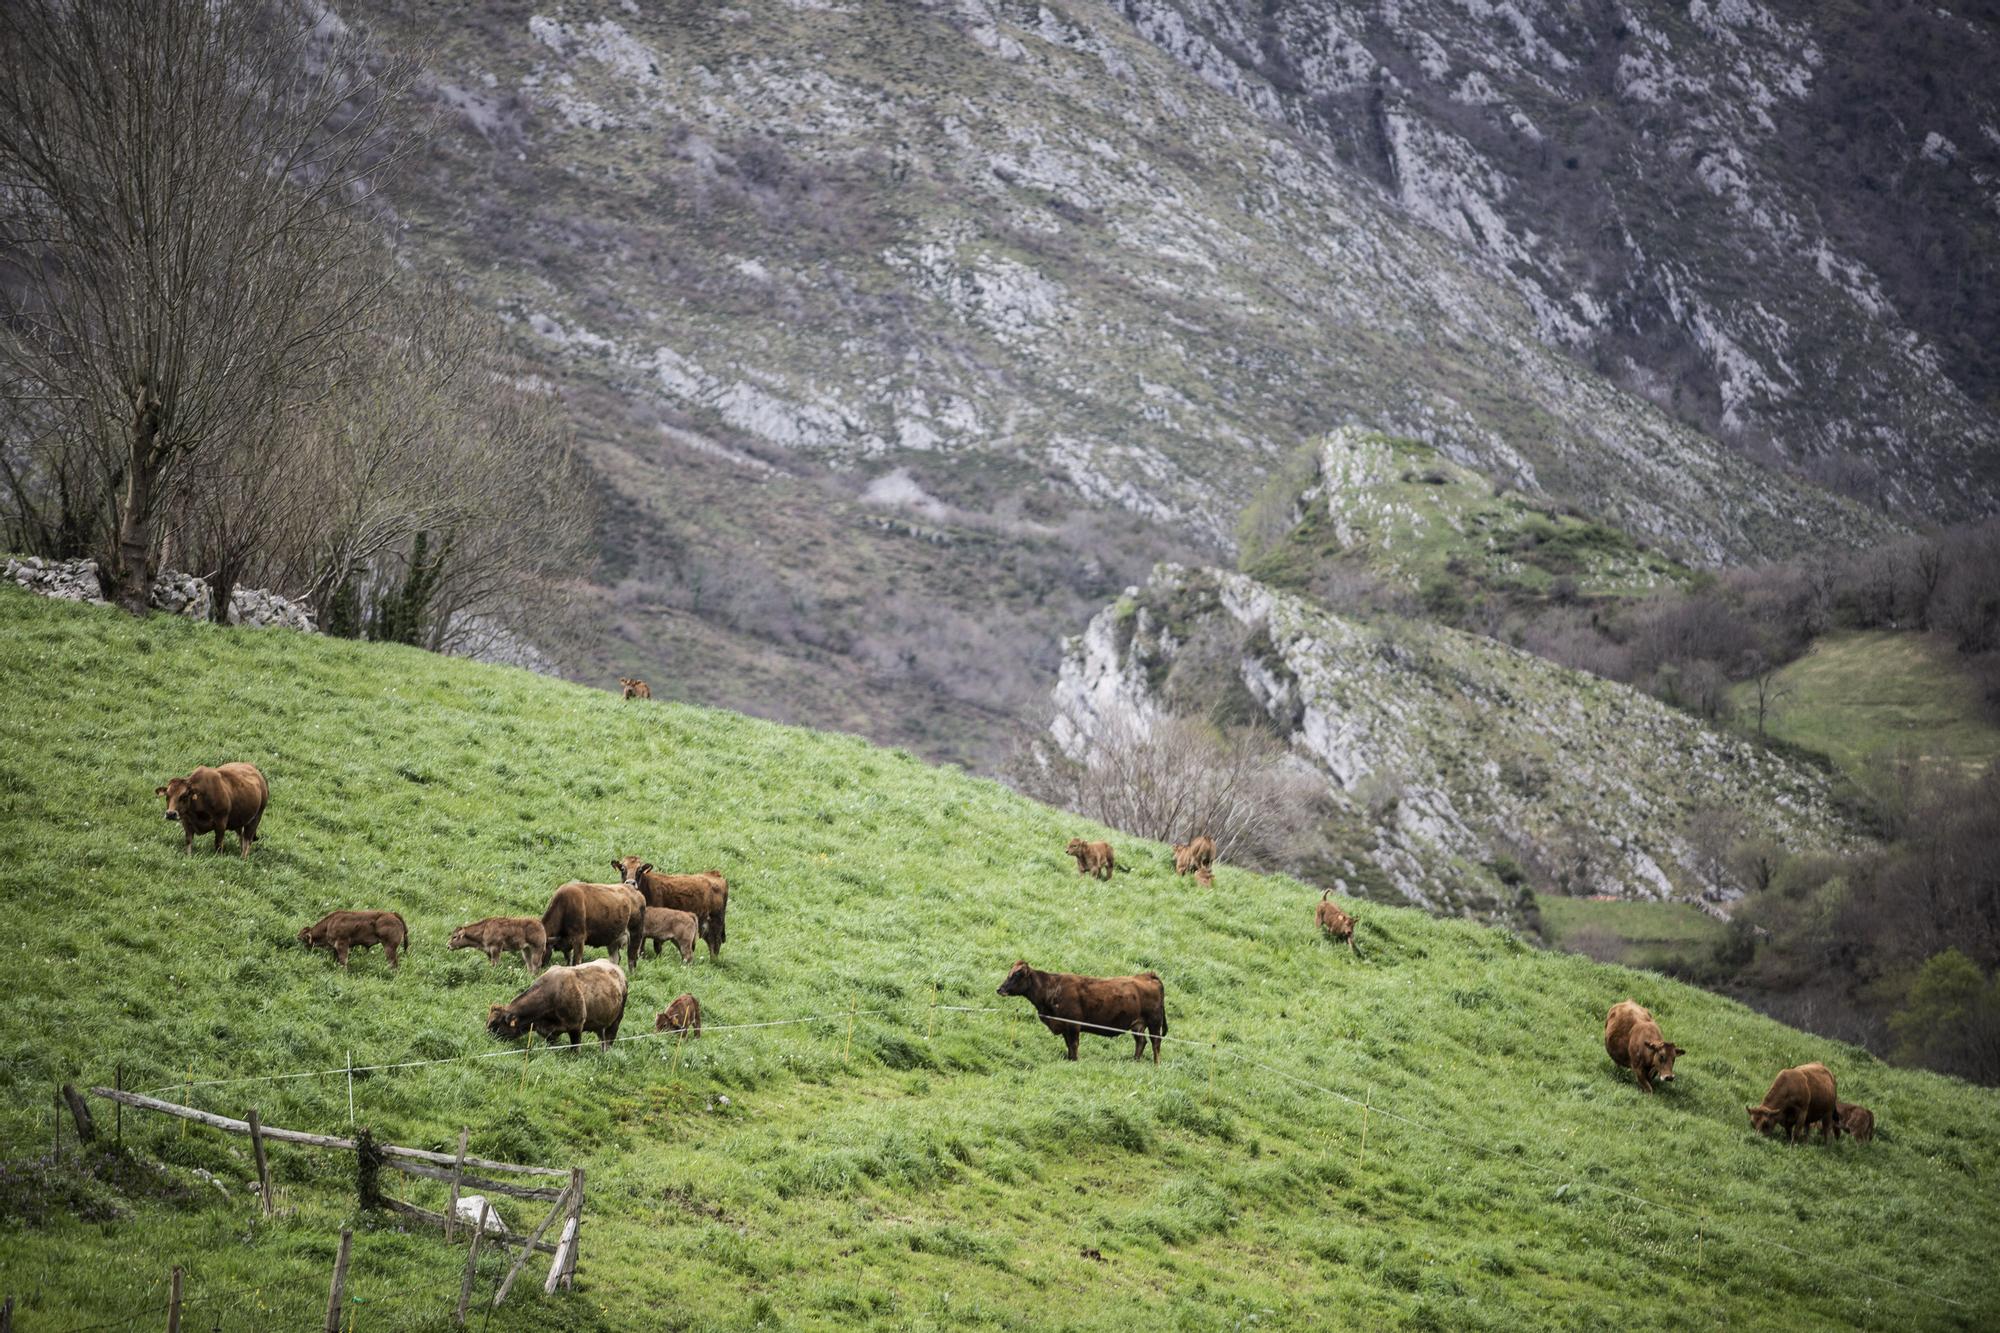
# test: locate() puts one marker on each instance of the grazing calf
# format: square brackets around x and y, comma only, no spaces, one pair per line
[1799,1098]
[1094,858]
[634,688]
[218,800]
[575,1000]
[683,1015]
[1633,1041]
[706,896]
[664,924]
[1337,924]
[1857,1122]
[605,916]
[1191,858]
[1204,877]
[342,931]
[1070,1005]
[505,934]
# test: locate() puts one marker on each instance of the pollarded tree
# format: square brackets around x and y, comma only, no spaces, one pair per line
[183,194]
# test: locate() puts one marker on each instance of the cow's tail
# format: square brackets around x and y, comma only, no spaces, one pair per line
[408,938]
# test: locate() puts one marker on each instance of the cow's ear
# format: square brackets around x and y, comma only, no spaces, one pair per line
[1677,1050]
[159,791]
[615,866]
[644,866]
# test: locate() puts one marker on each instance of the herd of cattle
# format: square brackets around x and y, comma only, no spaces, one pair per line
[648,905]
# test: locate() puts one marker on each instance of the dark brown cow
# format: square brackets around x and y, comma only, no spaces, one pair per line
[1633,1041]
[342,931]
[1800,1098]
[218,800]
[634,688]
[667,925]
[604,916]
[683,1015]
[1094,858]
[505,934]
[572,1000]
[1191,858]
[1109,1006]
[705,896]
[1337,924]
[1858,1122]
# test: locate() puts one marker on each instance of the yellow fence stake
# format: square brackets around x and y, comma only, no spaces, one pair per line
[931,1027]
[1366,1103]
[852,1010]
[522,1082]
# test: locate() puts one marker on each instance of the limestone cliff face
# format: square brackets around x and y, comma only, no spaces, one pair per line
[1779,218]
[1446,752]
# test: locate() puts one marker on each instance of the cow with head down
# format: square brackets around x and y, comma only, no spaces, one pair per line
[225,799]
[1633,1041]
[572,1000]
[1800,1098]
[604,916]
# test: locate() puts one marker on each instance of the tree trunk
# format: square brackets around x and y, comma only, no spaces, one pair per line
[132,568]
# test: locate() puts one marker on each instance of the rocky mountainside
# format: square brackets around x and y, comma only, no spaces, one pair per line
[1779,219]
[903,336]
[1459,767]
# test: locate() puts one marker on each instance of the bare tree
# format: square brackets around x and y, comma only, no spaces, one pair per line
[1768,691]
[182,190]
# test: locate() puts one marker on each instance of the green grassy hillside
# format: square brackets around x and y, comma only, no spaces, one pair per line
[965,1177]
[1869,692]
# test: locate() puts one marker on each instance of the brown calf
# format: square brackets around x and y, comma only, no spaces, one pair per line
[572,1000]
[342,931]
[1337,924]
[683,1015]
[1109,1006]
[666,925]
[605,916]
[705,896]
[1633,1041]
[218,800]
[634,688]
[1799,1098]
[1858,1122]
[1094,858]
[505,934]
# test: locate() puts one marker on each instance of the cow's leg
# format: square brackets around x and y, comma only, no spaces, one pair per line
[218,841]
[389,948]
[1156,1048]
[187,838]
[1639,1076]
[1138,1041]
[687,951]
[1069,1043]
[340,952]
[243,836]
[493,954]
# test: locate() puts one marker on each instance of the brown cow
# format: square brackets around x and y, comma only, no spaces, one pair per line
[1191,858]
[1070,1005]
[683,1015]
[1336,923]
[1858,1122]
[605,916]
[705,896]
[665,924]
[634,688]
[342,931]
[1633,1041]
[1094,858]
[218,800]
[1799,1098]
[505,934]
[1205,877]
[575,1000]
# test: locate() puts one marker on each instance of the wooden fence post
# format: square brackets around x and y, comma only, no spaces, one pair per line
[1365,1105]
[507,1283]
[174,1303]
[339,1289]
[350,1087]
[263,1162]
[457,1176]
[930,1027]
[119,1113]
[86,1128]
[564,1264]
[472,1264]
[852,1010]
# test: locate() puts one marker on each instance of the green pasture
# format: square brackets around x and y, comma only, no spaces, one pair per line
[937,1169]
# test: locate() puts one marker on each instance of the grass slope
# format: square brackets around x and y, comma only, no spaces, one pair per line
[1645,934]
[1866,692]
[971,1179]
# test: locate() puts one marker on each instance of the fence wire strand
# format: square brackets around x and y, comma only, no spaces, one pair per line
[1709,1221]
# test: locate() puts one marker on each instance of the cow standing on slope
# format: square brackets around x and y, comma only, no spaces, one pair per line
[1070,1005]
[229,798]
